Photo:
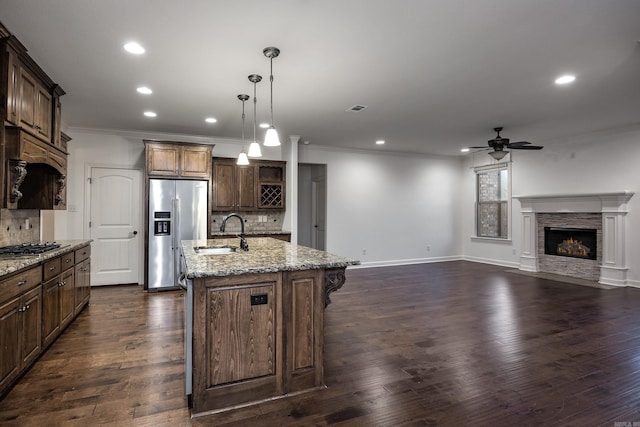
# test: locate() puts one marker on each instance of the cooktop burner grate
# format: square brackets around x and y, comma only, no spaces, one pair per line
[28,248]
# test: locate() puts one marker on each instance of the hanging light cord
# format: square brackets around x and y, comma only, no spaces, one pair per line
[255,101]
[271,80]
[243,124]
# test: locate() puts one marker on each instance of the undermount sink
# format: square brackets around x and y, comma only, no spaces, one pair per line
[215,250]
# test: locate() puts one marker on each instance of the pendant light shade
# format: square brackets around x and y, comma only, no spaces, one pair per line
[254,147]
[271,138]
[254,150]
[243,160]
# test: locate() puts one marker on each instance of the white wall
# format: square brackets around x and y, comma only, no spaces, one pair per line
[596,163]
[391,205]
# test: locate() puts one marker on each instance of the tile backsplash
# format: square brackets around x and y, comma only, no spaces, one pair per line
[253,221]
[13,226]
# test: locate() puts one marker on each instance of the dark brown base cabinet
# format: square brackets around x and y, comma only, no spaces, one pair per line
[256,337]
[36,305]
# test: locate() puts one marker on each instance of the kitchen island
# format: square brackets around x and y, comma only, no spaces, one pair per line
[254,321]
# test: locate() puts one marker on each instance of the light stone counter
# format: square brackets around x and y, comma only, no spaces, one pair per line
[11,264]
[265,255]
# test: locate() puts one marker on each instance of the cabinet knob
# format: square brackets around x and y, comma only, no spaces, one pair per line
[52,268]
[22,282]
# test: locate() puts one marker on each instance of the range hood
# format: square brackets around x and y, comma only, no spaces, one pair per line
[36,172]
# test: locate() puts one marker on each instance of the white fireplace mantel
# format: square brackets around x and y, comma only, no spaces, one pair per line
[614,208]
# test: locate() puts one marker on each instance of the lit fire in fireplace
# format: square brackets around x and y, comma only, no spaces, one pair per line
[571,247]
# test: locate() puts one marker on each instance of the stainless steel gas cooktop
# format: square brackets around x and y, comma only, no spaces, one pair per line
[28,249]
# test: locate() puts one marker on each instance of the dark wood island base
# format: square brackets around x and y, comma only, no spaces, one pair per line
[259,336]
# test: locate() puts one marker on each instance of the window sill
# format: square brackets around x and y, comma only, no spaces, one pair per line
[489,239]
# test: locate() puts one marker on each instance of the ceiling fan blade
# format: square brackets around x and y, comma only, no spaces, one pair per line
[528,147]
[484,146]
[518,144]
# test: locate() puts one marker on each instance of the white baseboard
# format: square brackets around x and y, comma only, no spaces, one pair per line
[492,261]
[396,262]
[633,283]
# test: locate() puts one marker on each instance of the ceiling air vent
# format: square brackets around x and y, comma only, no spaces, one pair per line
[356,108]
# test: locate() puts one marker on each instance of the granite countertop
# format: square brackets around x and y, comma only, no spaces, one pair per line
[265,255]
[249,233]
[12,264]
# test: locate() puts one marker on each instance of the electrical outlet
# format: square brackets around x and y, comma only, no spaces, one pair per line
[513,251]
[428,248]
[364,252]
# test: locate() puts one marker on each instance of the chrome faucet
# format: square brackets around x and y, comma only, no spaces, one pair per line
[243,241]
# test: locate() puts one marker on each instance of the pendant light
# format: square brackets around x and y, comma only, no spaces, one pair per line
[243,160]
[254,148]
[271,137]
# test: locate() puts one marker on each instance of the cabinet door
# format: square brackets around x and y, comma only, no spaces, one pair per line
[9,348]
[28,88]
[195,162]
[242,332]
[66,295]
[303,309]
[50,311]
[31,325]
[13,89]
[81,285]
[162,160]
[246,187]
[43,113]
[224,186]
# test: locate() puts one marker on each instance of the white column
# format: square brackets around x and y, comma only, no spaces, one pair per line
[291,214]
[613,270]
[529,248]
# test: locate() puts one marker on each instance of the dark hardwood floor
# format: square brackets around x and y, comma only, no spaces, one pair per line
[447,344]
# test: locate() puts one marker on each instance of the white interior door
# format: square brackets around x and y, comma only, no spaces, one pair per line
[115,226]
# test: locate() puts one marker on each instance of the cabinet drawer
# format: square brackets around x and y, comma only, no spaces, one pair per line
[20,282]
[51,268]
[83,253]
[67,260]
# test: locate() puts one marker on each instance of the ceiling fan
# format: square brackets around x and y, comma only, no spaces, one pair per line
[499,144]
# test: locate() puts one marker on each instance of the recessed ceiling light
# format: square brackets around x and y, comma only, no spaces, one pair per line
[565,79]
[134,48]
[380,142]
[464,150]
[150,114]
[144,90]
[264,125]
[210,120]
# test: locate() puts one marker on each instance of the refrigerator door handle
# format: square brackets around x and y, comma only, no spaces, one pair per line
[176,225]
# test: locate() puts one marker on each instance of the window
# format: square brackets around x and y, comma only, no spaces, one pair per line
[492,202]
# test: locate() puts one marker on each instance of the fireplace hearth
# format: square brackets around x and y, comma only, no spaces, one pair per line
[571,242]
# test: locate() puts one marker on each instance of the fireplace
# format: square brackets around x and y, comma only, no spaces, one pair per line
[605,212]
[571,242]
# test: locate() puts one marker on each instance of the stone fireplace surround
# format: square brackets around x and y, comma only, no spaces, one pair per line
[612,252]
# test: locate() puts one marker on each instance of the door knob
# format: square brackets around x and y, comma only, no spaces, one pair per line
[135,232]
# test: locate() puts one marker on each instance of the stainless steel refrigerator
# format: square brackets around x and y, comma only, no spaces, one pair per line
[177,211]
